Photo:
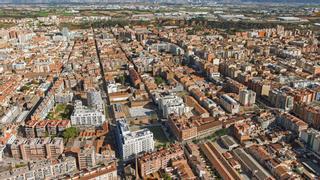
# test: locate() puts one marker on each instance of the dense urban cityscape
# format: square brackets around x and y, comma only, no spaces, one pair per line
[159,90]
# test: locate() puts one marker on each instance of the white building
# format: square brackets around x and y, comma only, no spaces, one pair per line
[133,143]
[247,97]
[113,87]
[95,100]
[229,104]
[46,169]
[171,105]
[64,97]
[85,116]
[10,115]
[311,138]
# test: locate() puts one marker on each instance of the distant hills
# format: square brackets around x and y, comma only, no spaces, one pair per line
[158,1]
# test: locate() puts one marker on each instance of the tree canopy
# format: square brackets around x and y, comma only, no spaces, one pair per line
[70,132]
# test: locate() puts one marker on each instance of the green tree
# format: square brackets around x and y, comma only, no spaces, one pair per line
[158,80]
[166,176]
[70,132]
[122,79]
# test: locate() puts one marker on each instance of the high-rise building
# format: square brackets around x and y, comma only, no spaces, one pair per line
[133,143]
[247,97]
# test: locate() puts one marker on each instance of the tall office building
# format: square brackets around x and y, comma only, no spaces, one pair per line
[133,143]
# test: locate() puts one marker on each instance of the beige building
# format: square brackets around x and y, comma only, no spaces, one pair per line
[37,148]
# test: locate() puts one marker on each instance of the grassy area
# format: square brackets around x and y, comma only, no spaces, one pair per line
[159,136]
[215,135]
[14,13]
[6,25]
[108,112]
[20,165]
[41,14]
[61,111]
[218,134]
[74,26]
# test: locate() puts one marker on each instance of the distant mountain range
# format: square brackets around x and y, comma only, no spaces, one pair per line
[158,1]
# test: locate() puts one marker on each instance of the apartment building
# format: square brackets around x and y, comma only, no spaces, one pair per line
[87,157]
[131,143]
[310,113]
[291,123]
[218,162]
[46,127]
[280,99]
[94,100]
[29,128]
[83,116]
[105,172]
[311,138]
[171,105]
[247,97]
[36,148]
[184,128]
[234,86]
[229,104]
[45,169]
[152,162]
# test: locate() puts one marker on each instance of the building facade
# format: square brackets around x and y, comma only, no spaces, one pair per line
[133,143]
[247,97]
[36,148]
[83,116]
[171,105]
[229,104]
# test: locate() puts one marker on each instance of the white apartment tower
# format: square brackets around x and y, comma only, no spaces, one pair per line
[133,143]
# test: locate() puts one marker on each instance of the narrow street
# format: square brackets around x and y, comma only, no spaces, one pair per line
[104,82]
